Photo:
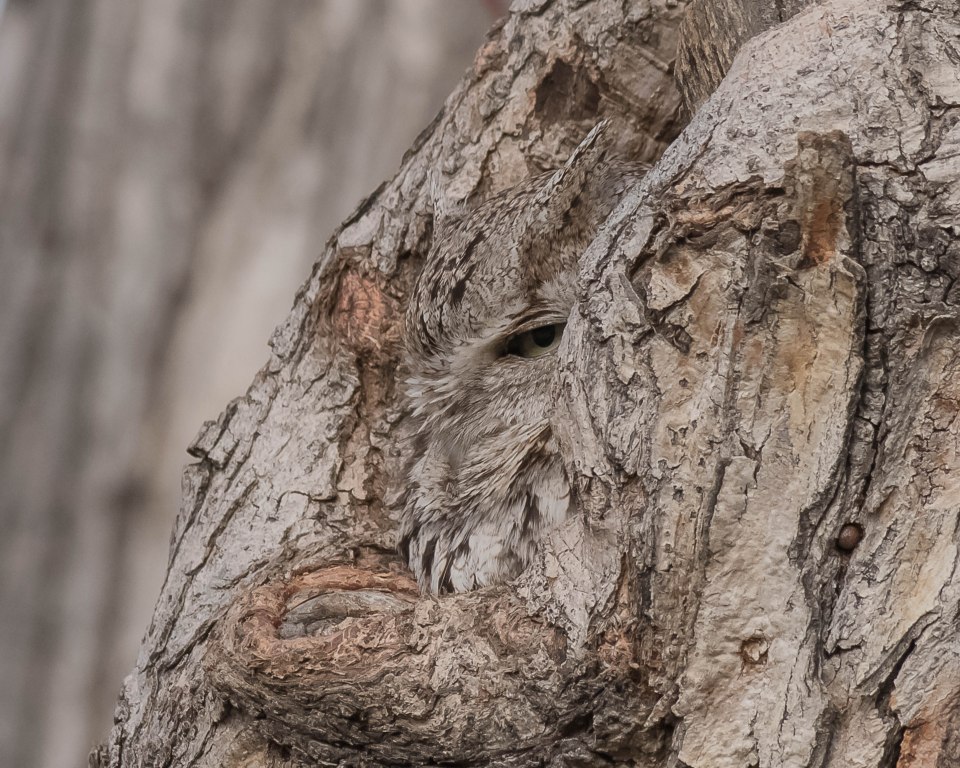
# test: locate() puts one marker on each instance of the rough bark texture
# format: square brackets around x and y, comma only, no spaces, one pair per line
[167,171]
[758,406]
[712,33]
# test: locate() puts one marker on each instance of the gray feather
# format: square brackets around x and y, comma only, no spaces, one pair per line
[484,477]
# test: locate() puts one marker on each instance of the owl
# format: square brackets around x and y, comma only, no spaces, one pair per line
[484,478]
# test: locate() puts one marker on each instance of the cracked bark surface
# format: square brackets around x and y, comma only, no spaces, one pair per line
[758,406]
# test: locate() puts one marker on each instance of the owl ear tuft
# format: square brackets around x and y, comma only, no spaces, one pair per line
[568,181]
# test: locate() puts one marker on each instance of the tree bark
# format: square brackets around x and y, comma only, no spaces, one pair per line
[711,35]
[758,406]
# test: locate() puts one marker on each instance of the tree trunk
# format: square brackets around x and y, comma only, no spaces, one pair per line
[167,169]
[758,406]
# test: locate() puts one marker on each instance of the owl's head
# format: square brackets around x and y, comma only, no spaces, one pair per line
[486,317]
[492,300]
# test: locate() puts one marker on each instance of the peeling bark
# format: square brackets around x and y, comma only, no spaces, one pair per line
[758,407]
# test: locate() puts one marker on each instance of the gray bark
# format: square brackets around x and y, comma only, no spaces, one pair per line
[711,35]
[167,171]
[758,407]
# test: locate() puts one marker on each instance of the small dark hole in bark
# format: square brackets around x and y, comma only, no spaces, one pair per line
[849,537]
[581,723]
[788,236]
[567,94]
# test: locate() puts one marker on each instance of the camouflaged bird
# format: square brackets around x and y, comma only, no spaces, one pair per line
[484,478]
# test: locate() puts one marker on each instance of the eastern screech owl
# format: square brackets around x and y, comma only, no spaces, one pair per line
[484,478]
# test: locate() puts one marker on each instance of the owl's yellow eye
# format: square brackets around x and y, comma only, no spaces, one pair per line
[536,342]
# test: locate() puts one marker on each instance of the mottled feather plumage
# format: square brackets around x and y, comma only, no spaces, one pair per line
[484,478]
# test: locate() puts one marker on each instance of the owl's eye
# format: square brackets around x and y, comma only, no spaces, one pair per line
[535,342]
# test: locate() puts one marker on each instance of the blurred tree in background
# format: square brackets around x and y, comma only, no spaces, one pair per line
[169,171]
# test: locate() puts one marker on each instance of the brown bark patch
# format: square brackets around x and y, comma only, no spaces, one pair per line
[823,176]
[364,315]
[355,629]
[921,746]
[820,228]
